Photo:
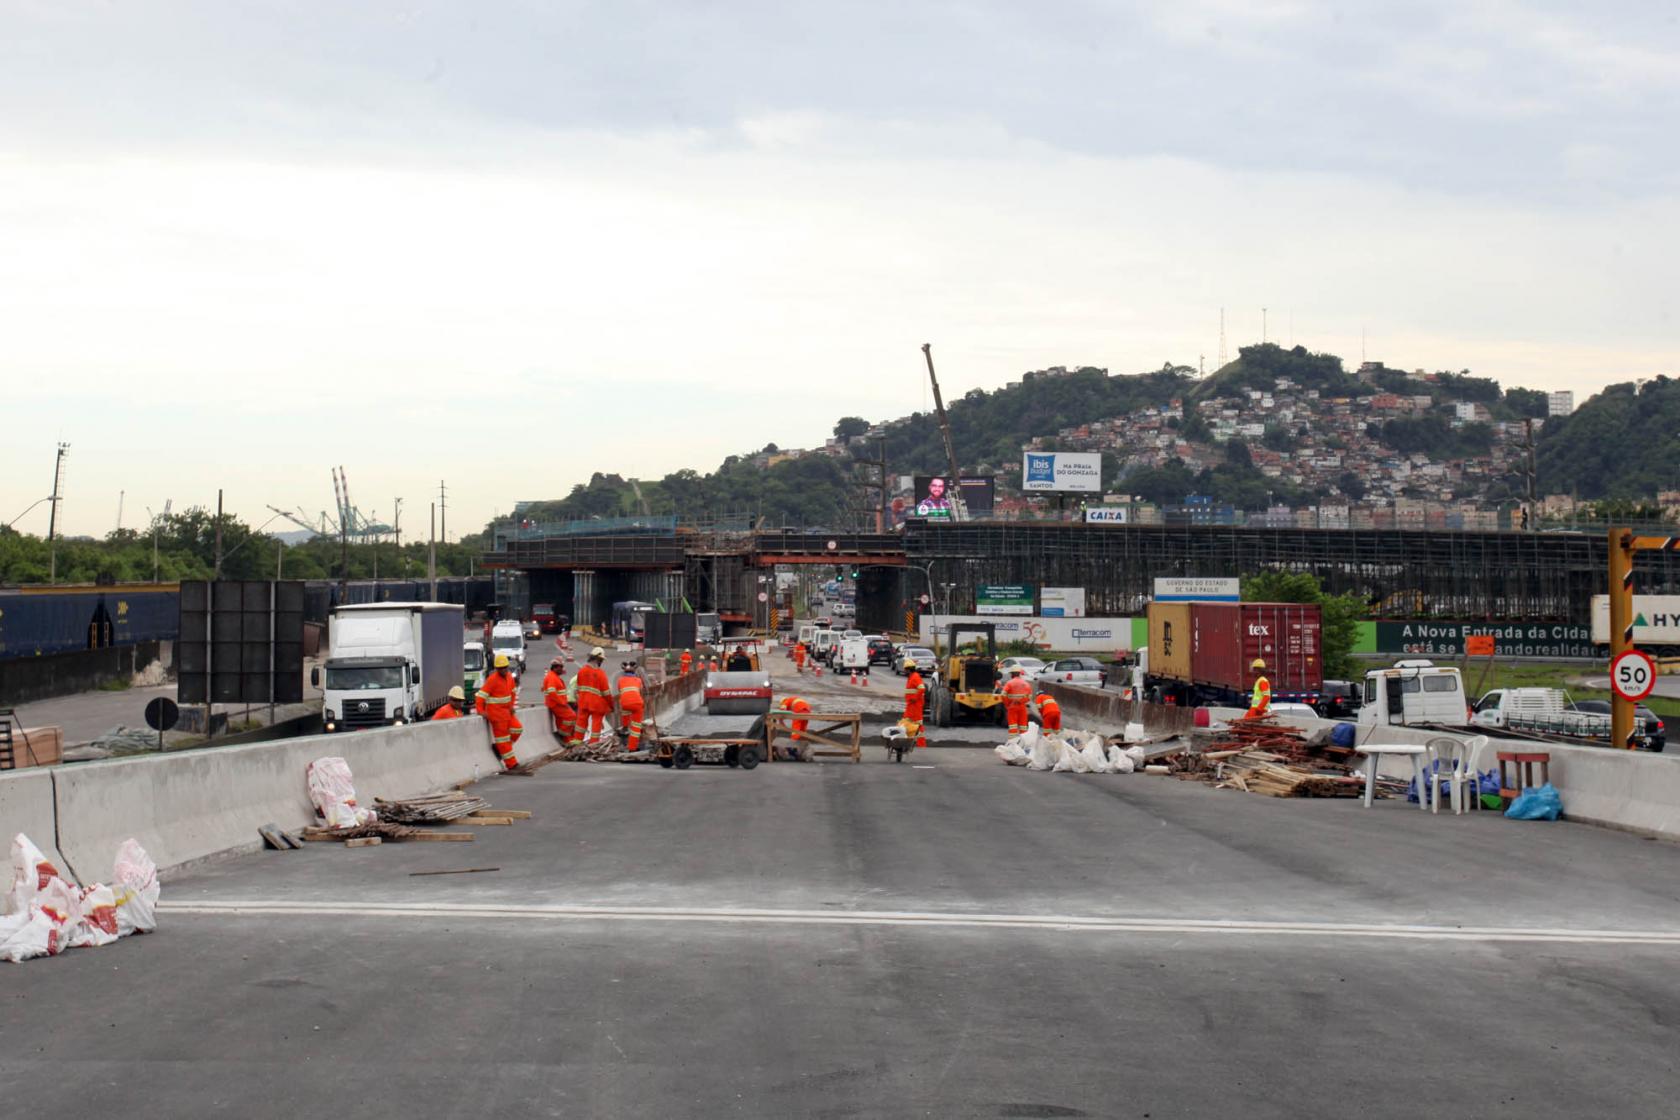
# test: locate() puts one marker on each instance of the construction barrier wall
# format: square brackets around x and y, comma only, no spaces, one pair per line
[1100,709]
[24,680]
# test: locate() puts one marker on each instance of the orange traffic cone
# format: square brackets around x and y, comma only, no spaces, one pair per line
[854,678]
[866,680]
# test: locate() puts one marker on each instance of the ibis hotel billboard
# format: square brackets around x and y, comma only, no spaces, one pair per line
[1061,472]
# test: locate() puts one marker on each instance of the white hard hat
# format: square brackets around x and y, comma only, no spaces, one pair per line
[597,652]
[457,693]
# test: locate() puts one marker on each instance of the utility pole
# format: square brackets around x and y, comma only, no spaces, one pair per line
[443,511]
[218,574]
[1528,445]
[279,558]
[52,515]
[431,554]
[1262,325]
[121,494]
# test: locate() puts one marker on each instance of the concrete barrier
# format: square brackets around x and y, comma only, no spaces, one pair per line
[190,805]
[26,806]
[1104,710]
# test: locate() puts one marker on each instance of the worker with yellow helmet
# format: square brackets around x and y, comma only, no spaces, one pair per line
[457,706]
[1260,702]
[496,700]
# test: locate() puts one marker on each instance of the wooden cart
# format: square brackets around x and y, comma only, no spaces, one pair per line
[815,741]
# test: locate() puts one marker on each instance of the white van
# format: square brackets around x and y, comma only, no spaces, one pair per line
[853,656]
[1414,692]
[826,643]
[807,634]
[508,637]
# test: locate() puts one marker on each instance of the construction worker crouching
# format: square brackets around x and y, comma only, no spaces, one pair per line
[1049,713]
[496,701]
[1017,694]
[456,708]
[630,704]
[1260,703]
[594,697]
[562,720]
[915,702]
[799,706]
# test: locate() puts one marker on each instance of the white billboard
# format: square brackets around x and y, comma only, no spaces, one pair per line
[1061,471]
[1108,515]
[1064,635]
[1062,602]
[1196,589]
[1656,620]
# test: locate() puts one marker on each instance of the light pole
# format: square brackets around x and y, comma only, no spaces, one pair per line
[25,513]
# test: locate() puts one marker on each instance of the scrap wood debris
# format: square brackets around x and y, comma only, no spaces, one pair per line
[425,810]
[1266,757]
[384,830]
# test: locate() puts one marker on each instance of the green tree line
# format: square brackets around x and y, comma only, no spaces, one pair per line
[183,546]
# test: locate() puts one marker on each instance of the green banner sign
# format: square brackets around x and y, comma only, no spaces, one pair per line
[1003,599]
[1510,639]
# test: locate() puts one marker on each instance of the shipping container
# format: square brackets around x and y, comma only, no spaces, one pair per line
[1210,664]
[1169,640]
[35,622]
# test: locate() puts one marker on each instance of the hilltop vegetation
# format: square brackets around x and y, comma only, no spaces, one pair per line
[1622,443]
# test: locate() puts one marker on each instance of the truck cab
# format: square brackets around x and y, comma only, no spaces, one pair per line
[389,663]
[1414,693]
[474,666]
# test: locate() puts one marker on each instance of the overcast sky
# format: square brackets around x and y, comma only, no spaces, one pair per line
[507,244]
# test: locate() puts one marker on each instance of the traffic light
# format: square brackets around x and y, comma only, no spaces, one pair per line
[854,575]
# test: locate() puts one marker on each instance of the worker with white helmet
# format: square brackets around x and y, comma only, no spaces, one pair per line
[457,706]
[595,697]
[915,701]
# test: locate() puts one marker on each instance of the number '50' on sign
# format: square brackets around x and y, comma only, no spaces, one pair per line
[1633,674]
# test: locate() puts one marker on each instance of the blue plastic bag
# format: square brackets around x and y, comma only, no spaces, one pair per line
[1532,804]
[1474,784]
[1344,735]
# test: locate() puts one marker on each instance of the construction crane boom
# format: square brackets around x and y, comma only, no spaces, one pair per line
[958,512]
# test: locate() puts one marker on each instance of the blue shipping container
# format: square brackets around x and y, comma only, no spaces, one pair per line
[33,623]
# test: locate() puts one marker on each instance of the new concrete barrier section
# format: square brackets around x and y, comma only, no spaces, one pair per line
[26,806]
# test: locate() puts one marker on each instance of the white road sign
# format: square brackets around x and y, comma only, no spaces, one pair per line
[1633,675]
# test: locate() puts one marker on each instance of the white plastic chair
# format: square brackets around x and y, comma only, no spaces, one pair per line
[1374,752]
[1461,755]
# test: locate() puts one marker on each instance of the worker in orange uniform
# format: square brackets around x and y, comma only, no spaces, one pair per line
[798,706]
[915,700]
[1260,702]
[1049,713]
[685,663]
[630,704]
[799,657]
[561,716]
[594,696]
[456,708]
[1017,694]
[496,700]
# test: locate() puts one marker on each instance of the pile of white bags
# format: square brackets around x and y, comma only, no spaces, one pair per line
[1072,752]
[334,794]
[43,914]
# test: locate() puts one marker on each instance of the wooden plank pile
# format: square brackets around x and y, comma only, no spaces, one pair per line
[1265,757]
[429,809]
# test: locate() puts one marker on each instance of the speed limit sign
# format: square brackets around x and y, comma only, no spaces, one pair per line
[1633,675]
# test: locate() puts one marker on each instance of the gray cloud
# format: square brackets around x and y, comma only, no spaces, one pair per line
[1502,99]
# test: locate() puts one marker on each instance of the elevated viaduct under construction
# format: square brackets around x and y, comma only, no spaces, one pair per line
[1401,573]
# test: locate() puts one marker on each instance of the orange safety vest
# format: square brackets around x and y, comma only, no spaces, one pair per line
[630,692]
[554,691]
[1049,713]
[915,693]
[446,712]
[594,690]
[497,696]
[1017,690]
[686,662]
[1262,698]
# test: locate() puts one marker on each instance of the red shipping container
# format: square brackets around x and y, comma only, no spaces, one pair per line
[1226,638]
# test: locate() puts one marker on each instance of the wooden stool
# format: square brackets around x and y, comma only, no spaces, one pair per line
[1524,763]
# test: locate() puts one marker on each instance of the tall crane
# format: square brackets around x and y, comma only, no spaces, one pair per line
[958,511]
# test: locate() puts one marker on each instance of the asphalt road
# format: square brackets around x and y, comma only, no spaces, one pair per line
[946,937]
[1665,686]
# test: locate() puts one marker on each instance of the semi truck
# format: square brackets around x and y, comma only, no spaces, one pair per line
[389,663]
[1201,653]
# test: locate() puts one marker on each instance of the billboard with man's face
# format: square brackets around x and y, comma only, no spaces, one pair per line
[934,496]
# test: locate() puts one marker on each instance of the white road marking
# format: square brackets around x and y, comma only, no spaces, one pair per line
[1052,922]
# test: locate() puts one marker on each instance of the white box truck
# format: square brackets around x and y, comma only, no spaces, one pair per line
[389,663]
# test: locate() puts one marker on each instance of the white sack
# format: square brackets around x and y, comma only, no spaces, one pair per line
[334,794]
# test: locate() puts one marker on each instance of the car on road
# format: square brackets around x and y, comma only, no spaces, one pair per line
[533,631]
[1656,734]
[923,657]
[880,650]
[1074,670]
[1292,709]
[1338,700]
[1031,666]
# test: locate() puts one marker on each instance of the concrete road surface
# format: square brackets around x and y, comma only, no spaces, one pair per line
[947,937]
